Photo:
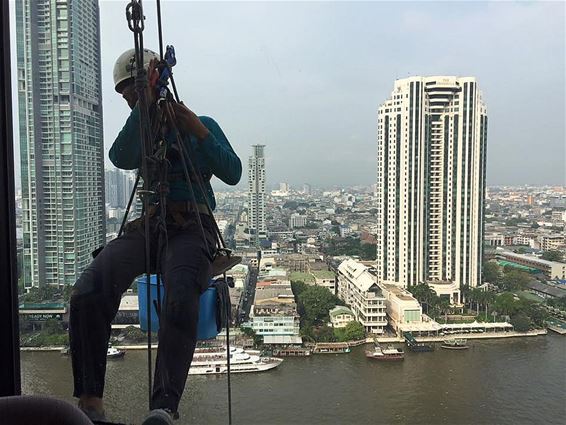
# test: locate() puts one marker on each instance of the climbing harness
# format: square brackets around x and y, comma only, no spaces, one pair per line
[156,178]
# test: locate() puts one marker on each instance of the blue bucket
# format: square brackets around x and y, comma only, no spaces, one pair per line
[207,308]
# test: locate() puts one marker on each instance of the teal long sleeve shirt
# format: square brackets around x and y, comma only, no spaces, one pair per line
[212,156]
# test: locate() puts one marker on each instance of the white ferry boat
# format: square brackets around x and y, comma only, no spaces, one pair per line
[210,361]
[114,353]
[389,353]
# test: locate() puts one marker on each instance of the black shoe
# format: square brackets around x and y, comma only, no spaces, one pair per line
[222,263]
[160,417]
[94,415]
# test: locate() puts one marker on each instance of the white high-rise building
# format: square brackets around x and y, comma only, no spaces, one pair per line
[61,145]
[256,191]
[432,136]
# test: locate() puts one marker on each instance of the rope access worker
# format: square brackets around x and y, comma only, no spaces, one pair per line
[185,265]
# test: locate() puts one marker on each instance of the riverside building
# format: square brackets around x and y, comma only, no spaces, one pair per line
[274,313]
[431,163]
[358,288]
[61,145]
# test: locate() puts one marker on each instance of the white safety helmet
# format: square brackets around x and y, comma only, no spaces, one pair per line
[125,66]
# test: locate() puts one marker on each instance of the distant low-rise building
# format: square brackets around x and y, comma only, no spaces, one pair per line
[325,278]
[525,240]
[546,290]
[344,230]
[297,220]
[551,269]
[494,239]
[551,242]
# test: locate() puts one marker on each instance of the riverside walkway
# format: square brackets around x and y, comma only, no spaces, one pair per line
[487,335]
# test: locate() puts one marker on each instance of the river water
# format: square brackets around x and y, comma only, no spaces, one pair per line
[513,381]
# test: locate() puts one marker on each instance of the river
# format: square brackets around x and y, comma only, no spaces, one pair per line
[512,381]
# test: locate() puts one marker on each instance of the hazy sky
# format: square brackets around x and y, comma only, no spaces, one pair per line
[306,78]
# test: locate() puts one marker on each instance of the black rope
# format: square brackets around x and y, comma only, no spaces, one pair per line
[224,320]
[200,183]
[125,219]
[159,29]
[135,18]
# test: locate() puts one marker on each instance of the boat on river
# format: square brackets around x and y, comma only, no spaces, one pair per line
[212,361]
[111,352]
[386,354]
[455,344]
[331,348]
[292,352]
[114,353]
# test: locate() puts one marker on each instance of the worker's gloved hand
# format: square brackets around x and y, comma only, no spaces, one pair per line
[189,122]
[152,78]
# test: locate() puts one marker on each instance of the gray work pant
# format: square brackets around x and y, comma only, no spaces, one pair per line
[96,297]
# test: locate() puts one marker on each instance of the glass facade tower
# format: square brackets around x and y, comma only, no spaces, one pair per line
[61,143]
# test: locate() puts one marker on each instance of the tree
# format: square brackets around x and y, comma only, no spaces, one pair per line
[354,331]
[553,255]
[487,298]
[491,272]
[292,205]
[513,280]
[46,293]
[316,302]
[425,295]
[506,304]
[368,251]
[444,307]
[536,313]
[473,297]
[133,334]
[559,303]
[52,327]
[298,286]
[324,334]
[521,323]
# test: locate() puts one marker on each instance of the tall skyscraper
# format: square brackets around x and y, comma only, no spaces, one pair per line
[60,110]
[256,191]
[112,187]
[432,136]
[118,187]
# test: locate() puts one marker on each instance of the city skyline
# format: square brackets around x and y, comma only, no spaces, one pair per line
[297,86]
[59,96]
